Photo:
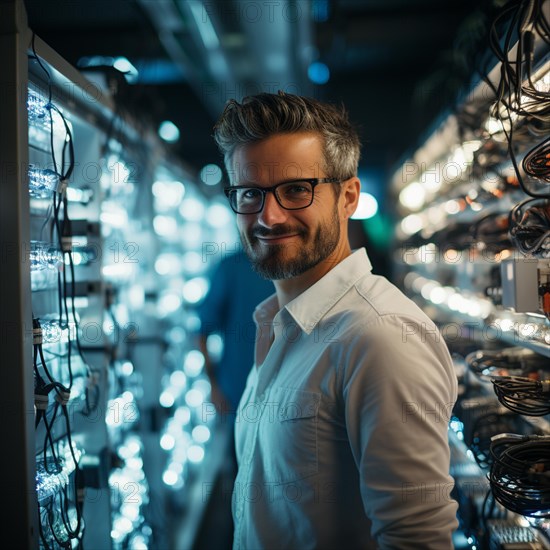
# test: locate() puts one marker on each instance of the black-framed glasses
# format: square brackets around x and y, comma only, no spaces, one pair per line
[291,195]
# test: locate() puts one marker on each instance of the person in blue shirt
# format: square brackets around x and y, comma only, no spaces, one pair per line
[235,291]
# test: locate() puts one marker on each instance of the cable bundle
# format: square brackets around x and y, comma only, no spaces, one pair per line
[523,395]
[510,361]
[536,162]
[486,426]
[530,227]
[491,232]
[520,99]
[520,473]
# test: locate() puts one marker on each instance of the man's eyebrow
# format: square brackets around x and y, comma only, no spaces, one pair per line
[290,180]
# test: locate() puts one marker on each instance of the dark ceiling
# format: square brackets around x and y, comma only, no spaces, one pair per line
[395,64]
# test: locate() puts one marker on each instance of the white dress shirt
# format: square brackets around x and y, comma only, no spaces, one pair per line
[341,432]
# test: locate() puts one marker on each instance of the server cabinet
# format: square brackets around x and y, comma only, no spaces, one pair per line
[103,232]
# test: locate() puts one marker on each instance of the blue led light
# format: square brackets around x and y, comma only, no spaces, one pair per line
[44,255]
[42,182]
[37,107]
[318,73]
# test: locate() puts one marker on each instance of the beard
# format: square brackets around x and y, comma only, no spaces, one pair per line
[280,261]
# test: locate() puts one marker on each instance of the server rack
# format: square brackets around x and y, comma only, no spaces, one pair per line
[107,440]
[474,255]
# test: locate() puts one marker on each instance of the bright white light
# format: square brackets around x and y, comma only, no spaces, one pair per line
[113,214]
[168,193]
[411,224]
[130,511]
[413,196]
[505,324]
[201,434]
[459,156]
[183,415]
[195,289]
[165,226]
[427,289]
[169,132]
[194,398]
[139,542]
[211,174]
[367,207]
[167,442]
[77,259]
[122,525]
[168,303]
[193,363]
[431,180]
[170,477]
[474,309]
[178,379]
[195,454]
[127,368]
[218,215]
[123,65]
[166,399]
[438,295]
[118,272]
[119,173]
[136,296]
[168,264]
[493,125]
[452,207]
[486,309]
[134,463]
[455,301]
[192,209]
[470,147]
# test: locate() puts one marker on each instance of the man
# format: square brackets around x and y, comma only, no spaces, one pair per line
[341,432]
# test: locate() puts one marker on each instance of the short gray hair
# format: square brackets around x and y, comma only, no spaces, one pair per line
[263,115]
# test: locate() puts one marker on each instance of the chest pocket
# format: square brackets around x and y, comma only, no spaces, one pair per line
[288,435]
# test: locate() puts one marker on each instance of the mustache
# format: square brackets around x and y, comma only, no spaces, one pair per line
[276,231]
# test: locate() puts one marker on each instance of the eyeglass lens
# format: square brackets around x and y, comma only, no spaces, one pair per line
[292,195]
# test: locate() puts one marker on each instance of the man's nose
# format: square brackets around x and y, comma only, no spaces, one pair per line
[272,213]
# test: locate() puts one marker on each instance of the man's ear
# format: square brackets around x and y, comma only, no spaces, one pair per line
[350,195]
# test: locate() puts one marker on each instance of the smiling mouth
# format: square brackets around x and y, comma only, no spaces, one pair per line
[275,239]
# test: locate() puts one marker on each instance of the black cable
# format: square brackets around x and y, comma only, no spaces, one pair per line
[488,364]
[523,395]
[514,85]
[520,473]
[536,162]
[529,223]
[484,428]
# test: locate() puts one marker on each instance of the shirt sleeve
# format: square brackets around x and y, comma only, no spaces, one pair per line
[399,388]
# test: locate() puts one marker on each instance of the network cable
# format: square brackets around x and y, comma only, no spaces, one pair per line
[520,473]
[523,395]
[530,227]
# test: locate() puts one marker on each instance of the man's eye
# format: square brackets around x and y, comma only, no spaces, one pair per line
[250,194]
[296,189]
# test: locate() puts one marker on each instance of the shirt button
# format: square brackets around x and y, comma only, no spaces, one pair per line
[239,514]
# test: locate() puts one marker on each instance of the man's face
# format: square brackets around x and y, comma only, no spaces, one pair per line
[280,243]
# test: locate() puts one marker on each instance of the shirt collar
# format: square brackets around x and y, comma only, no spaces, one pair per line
[310,307]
